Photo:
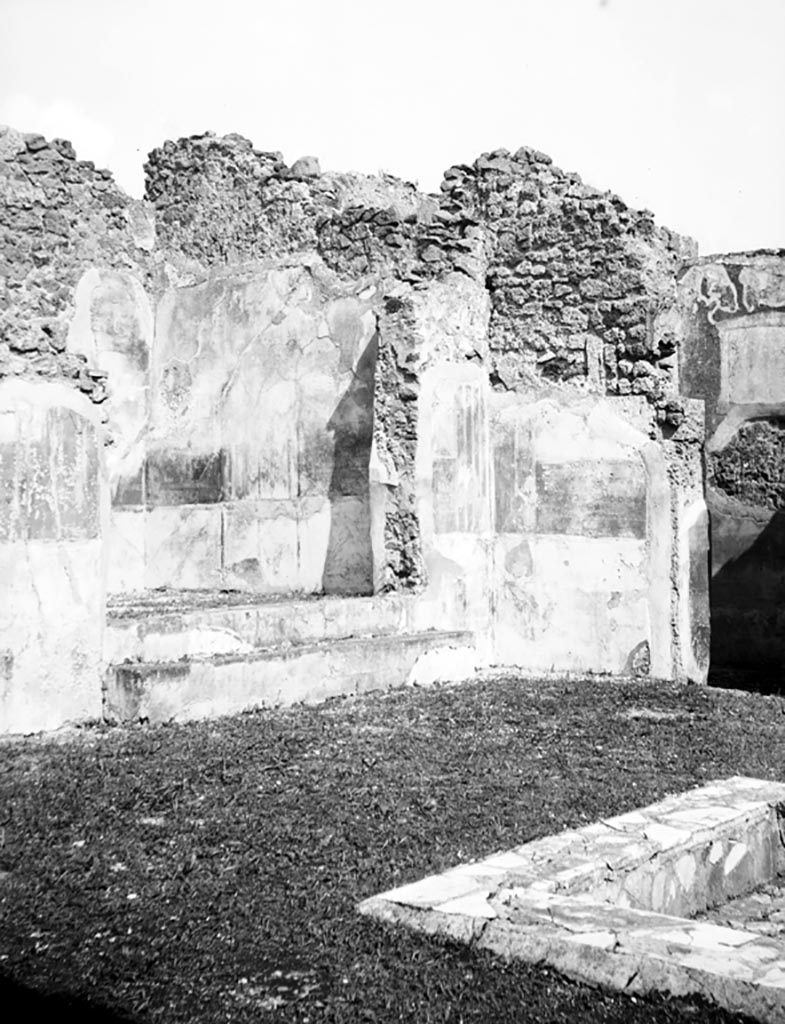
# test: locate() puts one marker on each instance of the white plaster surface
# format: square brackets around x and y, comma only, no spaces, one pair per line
[182,546]
[126,551]
[113,327]
[51,566]
[586,597]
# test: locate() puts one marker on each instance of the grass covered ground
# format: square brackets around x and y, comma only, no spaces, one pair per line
[210,872]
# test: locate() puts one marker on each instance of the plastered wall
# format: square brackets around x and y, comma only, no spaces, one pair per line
[577,533]
[53,520]
[733,357]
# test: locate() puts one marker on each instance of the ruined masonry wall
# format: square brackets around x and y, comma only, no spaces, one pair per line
[312,382]
[220,200]
[59,216]
[582,287]
[424,332]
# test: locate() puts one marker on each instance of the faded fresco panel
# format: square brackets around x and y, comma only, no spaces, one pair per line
[513,459]
[53,509]
[460,463]
[598,498]
[578,581]
[48,476]
[262,395]
[175,477]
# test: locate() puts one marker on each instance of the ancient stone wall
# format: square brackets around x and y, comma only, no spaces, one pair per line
[332,384]
[427,335]
[582,287]
[220,200]
[59,216]
[733,356]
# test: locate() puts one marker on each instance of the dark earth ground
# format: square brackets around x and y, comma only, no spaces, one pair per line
[210,872]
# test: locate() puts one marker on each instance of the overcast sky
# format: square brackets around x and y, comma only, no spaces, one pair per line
[677,105]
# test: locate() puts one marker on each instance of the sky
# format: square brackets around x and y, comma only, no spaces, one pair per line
[678,106]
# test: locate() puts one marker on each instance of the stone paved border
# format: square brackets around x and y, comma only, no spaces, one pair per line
[610,903]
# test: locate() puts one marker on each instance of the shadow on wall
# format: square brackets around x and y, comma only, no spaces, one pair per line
[348,567]
[748,613]
[21,1004]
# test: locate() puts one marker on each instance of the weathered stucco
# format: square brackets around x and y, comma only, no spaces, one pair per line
[583,558]
[251,468]
[52,528]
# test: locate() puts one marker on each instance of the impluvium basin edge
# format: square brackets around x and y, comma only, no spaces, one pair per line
[614,903]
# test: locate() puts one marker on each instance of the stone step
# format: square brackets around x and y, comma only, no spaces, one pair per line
[228,683]
[171,625]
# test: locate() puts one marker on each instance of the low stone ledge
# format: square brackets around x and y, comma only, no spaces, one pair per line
[565,900]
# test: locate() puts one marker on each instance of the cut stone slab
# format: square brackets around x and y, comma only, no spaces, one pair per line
[614,903]
[223,684]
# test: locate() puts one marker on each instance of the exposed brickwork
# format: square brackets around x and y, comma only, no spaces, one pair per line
[415,246]
[58,216]
[219,200]
[574,275]
[752,466]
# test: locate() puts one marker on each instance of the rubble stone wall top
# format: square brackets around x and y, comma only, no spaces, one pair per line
[221,200]
[582,288]
[581,285]
[58,217]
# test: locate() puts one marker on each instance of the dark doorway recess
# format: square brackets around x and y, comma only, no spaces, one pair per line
[748,611]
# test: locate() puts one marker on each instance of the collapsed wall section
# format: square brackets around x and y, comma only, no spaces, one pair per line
[219,200]
[59,216]
[582,287]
